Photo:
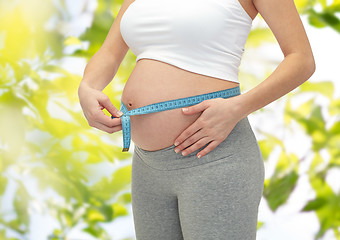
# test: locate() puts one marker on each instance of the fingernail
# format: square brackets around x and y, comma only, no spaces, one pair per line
[120,113]
[176,150]
[176,143]
[185,109]
[199,156]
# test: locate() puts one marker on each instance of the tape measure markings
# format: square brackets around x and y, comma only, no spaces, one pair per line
[167,105]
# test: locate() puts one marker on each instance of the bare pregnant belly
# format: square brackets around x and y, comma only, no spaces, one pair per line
[153,81]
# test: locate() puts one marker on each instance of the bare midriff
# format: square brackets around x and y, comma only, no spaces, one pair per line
[153,81]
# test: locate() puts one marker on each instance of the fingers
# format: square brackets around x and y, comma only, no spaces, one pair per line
[197,108]
[93,102]
[189,141]
[199,144]
[106,103]
[211,146]
[196,126]
[101,117]
[105,128]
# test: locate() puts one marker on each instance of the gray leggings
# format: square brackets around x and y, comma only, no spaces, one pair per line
[215,197]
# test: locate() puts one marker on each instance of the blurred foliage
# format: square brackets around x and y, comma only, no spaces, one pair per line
[59,154]
[310,118]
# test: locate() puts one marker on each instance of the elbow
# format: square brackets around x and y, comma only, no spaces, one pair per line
[311,64]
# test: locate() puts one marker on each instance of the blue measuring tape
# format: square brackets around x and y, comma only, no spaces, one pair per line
[167,105]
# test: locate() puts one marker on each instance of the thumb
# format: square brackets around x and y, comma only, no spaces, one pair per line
[195,108]
[107,104]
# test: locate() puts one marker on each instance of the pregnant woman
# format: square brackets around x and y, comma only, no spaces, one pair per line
[196,174]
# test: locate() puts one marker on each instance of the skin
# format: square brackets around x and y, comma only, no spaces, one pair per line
[210,121]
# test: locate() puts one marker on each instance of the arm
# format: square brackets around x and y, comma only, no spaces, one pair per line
[104,64]
[298,64]
[98,73]
[219,116]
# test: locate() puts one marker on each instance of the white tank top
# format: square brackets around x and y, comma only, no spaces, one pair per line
[201,36]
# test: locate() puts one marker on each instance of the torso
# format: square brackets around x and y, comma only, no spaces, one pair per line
[154,81]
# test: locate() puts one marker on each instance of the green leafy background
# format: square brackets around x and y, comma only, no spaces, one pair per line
[51,161]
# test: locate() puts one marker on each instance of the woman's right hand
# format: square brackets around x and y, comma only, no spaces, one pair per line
[93,101]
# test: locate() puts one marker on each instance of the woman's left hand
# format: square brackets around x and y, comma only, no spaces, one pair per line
[219,116]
